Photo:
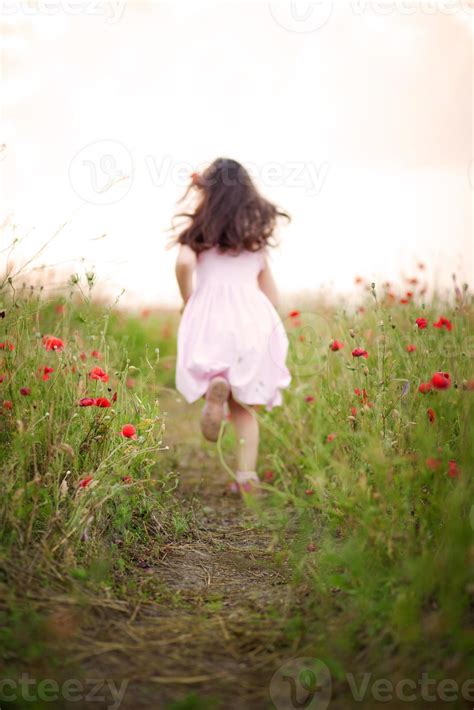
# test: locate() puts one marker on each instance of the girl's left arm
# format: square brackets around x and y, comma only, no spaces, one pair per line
[185,265]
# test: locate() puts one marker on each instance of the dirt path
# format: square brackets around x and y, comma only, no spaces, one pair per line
[219,601]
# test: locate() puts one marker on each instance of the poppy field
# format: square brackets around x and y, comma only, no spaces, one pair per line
[366,468]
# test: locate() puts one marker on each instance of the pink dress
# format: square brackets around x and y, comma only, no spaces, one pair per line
[230,328]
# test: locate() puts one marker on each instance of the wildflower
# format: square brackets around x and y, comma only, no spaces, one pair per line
[7,346]
[2,378]
[443,323]
[97,373]
[96,354]
[309,492]
[360,352]
[453,470]
[25,391]
[410,348]
[353,411]
[7,404]
[441,380]
[129,431]
[114,397]
[309,398]
[268,475]
[409,294]
[46,373]
[311,547]
[52,343]
[146,312]
[330,437]
[86,402]
[127,479]
[336,345]
[85,482]
[83,357]
[424,387]
[433,463]
[431,415]
[294,314]
[421,323]
[102,402]
[404,301]
[295,318]
[60,308]
[130,383]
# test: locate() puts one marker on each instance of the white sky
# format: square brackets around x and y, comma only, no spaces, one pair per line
[357,121]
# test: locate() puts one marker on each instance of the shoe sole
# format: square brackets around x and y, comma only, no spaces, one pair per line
[213,412]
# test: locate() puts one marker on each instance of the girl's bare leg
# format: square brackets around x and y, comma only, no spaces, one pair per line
[246,428]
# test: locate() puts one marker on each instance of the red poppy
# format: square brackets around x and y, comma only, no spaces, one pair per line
[7,346]
[441,380]
[433,463]
[52,343]
[309,492]
[443,323]
[60,308]
[102,402]
[127,479]
[85,482]
[309,398]
[146,312]
[96,354]
[411,348]
[268,475]
[361,309]
[404,301]
[424,387]
[409,294]
[129,431]
[294,314]
[8,404]
[353,411]
[336,345]
[46,373]
[431,415]
[97,373]
[114,397]
[360,352]
[86,402]
[453,470]
[2,379]
[25,391]
[421,323]
[83,357]
[330,437]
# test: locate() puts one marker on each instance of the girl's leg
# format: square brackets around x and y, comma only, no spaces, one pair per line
[246,427]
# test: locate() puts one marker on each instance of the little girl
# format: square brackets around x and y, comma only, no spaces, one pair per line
[232,345]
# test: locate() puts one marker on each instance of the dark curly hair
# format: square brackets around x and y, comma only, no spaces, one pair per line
[230,213]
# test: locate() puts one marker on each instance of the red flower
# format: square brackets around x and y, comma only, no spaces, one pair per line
[433,463]
[294,314]
[7,346]
[441,380]
[8,404]
[431,415]
[130,383]
[336,345]
[311,547]
[424,387]
[268,475]
[127,479]
[102,402]
[309,398]
[114,397]
[86,402]
[353,411]
[421,323]
[411,348]
[330,437]
[2,379]
[453,470]
[46,373]
[52,343]
[96,354]
[83,357]
[25,391]
[129,431]
[409,294]
[443,323]
[59,308]
[85,482]
[359,352]
[309,492]
[358,280]
[97,373]
[404,301]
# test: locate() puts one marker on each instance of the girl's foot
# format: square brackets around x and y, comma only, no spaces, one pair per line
[245,482]
[214,409]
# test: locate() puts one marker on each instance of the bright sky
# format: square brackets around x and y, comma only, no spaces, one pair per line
[356,120]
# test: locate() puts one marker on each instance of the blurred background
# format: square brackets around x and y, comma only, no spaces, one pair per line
[355,116]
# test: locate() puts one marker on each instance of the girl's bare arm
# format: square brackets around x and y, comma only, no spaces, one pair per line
[185,265]
[267,284]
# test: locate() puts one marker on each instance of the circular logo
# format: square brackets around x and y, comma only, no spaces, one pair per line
[101,173]
[300,15]
[301,683]
[309,336]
